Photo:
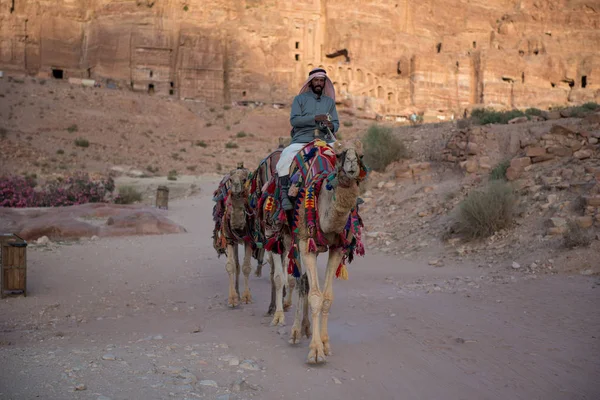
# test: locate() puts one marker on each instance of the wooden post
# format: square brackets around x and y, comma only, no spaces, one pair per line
[13,265]
[162,197]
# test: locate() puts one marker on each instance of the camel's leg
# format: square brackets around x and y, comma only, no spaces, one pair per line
[271,310]
[316,355]
[299,299]
[260,259]
[279,279]
[237,269]
[306,331]
[335,257]
[230,267]
[291,284]
[246,269]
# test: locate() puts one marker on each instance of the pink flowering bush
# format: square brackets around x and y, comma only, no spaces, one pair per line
[17,191]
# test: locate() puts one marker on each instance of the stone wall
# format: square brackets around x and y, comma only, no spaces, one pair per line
[389,57]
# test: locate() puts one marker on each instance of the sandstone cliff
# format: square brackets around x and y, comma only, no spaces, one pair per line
[390,57]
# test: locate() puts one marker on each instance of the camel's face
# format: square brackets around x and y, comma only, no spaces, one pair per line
[349,154]
[238,180]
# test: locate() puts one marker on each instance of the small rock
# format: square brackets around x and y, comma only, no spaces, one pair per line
[43,240]
[234,362]
[587,272]
[249,365]
[436,263]
[197,329]
[380,184]
[336,381]
[459,340]
[109,357]
[80,387]
[240,385]
[389,185]
[208,383]
[516,265]
[158,337]
[583,154]
[94,238]
[593,140]
[558,222]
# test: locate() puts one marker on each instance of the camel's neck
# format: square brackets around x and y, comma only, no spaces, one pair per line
[335,206]
[238,217]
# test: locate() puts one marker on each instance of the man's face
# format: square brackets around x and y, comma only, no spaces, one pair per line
[317,85]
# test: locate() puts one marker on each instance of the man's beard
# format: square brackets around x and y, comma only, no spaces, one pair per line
[317,89]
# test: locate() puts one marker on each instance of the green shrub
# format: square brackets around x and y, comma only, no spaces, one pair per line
[231,145]
[382,147]
[486,211]
[241,134]
[81,142]
[484,116]
[201,143]
[499,171]
[172,175]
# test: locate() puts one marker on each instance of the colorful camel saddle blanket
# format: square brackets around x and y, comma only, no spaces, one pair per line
[255,187]
[313,166]
[223,234]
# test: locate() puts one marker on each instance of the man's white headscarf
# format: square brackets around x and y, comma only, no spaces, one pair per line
[328,90]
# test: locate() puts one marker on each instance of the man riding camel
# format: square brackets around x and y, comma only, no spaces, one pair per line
[313,116]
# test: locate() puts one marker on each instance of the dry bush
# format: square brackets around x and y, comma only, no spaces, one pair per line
[576,236]
[382,147]
[487,211]
[128,195]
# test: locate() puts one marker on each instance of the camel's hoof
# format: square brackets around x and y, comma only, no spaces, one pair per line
[247,297]
[316,356]
[327,349]
[233,301]
[258,273]
[306,331]
[278,319]
[294,336]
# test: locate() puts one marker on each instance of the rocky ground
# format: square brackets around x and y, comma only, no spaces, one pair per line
[146,318]
[425,315]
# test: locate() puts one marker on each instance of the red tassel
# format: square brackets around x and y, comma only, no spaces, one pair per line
[282,216]
[291,266]
[270,244]
[338,271]
[312,247]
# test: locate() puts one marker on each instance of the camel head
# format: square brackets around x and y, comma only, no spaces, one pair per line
[238,178]
[349,163]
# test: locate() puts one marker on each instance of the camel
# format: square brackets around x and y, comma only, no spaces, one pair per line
[265,228]
[333,189]
[233,220]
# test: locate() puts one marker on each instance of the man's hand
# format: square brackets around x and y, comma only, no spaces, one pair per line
[323,118]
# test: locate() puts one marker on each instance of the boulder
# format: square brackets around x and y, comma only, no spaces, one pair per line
[520,162]
[518,120]
[535,152]
[561,130]
[583,154]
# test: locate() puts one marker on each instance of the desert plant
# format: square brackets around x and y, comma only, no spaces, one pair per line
[591,106]
[533,111]
[208,124]
[201,143]
[128,195]
[3,133]
[486,211]
[484,116]
[231,145]
[348,124]
[73,128]
[575,236]
[81,142]
[226,107]
[241,134]
[191,167]
[382,147]
[499,171]
[172,176]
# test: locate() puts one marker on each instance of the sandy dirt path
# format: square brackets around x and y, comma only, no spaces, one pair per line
[146,318]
